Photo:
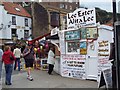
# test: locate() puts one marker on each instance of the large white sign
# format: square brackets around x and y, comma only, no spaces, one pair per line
[81,18]
[73,66]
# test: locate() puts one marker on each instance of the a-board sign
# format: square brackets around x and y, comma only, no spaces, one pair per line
[105,78]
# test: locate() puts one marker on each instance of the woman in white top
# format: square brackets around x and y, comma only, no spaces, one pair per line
[51,60]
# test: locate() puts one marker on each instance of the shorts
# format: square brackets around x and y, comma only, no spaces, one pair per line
[29,63]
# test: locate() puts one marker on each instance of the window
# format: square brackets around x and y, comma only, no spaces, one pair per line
[17,9]
[70,7]
[70,1]
[13,32]
[26,34]
[62,5]
[13,20]
[66,7]
[26,22]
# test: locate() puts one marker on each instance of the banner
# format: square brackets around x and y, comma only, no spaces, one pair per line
[81,18]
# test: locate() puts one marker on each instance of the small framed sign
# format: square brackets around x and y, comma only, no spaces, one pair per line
[83,47]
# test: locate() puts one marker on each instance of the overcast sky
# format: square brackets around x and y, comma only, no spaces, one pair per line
[103,4]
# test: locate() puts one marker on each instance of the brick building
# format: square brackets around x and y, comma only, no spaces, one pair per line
[47,15]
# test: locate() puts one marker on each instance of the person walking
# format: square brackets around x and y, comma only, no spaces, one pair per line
[51,60]
[8,63]
[17,53]
[1,53]
[29,56]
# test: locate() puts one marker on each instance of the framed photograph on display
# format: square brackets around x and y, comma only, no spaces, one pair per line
[92,33]
[72,47]
[83,47]
[83,33]
[72,35]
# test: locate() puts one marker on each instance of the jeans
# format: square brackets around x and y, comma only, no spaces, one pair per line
[0,69]
[8,69]
[17,63]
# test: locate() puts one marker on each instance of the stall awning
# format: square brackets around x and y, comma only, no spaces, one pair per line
[53,37]
[38,38]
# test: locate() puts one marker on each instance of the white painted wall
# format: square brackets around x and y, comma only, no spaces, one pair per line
[5,33]
[1,19]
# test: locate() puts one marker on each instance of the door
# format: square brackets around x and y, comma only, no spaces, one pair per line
[92,61]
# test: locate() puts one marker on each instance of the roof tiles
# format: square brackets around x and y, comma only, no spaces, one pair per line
[16,9]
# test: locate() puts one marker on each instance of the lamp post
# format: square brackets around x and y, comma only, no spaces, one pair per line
[114,61]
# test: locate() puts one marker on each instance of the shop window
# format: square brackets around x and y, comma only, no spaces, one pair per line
[26,22]
[13,20]
[26,34]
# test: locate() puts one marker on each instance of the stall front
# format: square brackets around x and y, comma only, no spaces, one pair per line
[85,51]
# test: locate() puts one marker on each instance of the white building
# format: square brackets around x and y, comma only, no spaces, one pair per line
[14,21]
[119,7]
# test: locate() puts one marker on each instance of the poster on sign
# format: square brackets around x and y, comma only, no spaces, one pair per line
[81,18]
[73,66]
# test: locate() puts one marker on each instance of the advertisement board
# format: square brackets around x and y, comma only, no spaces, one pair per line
[73,66]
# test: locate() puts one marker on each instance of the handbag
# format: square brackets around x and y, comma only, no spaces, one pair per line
[11,58]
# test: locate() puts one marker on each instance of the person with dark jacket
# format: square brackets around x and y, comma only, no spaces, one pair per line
[8,63]
[29,56]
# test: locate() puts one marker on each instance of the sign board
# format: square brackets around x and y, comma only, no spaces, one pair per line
[44,65]
[105,78]
[73,66]
[81,18]
[103,55]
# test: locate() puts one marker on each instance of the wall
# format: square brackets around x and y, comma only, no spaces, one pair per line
[40,20]
[1,10]
[20,25]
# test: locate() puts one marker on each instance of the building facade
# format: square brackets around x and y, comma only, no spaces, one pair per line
[48,15]
[15,21]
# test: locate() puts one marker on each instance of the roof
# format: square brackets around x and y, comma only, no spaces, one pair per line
[16,9]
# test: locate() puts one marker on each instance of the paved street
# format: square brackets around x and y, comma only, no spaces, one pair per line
[43,80]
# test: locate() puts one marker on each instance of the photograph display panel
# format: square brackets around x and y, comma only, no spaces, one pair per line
[92,33]
[72,35]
